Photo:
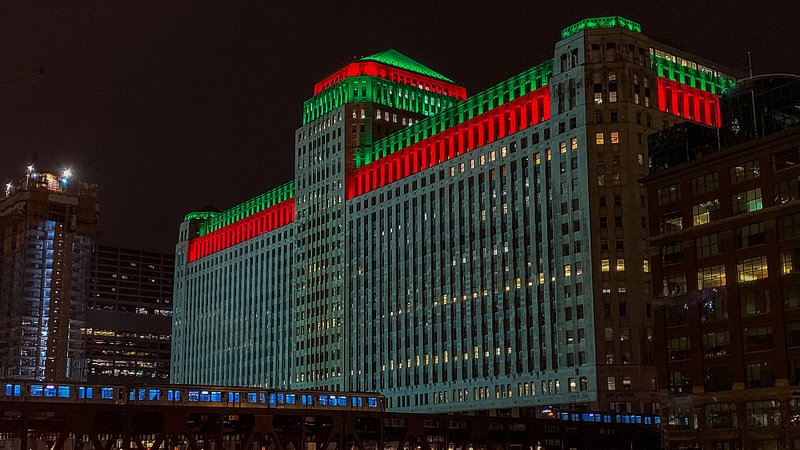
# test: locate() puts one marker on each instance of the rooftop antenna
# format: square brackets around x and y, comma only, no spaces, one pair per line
[750,64]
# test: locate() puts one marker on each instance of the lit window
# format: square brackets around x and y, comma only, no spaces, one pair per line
[567,270]
[705,212]
[620,265]
[747,201]
[605,265]
[599,139]
[574,143]
[562,146]
[711,276]
[646,265]
[752,269]
[615,137]
[612,384]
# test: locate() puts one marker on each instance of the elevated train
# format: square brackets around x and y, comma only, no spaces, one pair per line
[186,395]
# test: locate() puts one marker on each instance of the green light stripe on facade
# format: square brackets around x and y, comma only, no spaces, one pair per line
[248,208]
[716,82]
[202,215]
[601,22]
[514,87]
[377,90]
[394,58]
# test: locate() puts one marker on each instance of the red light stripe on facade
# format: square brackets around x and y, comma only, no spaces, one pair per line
[374,69]
[486,128]
[690,103]
[259,223]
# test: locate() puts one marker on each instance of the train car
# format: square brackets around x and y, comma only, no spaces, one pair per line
[63,393]
[304,399]
[187,395]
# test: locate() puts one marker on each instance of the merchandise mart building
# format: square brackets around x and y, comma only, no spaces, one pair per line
[454,253]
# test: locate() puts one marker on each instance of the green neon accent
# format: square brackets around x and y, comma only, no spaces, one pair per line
[601,22]
[202,215]
[514,87]
[376,90]
[248,208]
[716,83]
[394,58]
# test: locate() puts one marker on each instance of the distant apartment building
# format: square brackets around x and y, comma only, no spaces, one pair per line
[48,225]
[724,214]
[129,315]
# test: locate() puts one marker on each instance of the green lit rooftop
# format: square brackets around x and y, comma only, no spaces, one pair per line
[601,22]
[394,58]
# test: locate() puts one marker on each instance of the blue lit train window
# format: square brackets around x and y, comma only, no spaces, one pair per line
[230,397]
[290,399]
[9,390]
[107,392]
[638,419]
[205,396]
[154,394]
[170,395]
[353,401]
[323,400]
[194,396]
[342,400]
[586,417]
[49,391]
[237,397]
[607,418]
[576,417]
[262,397]
[252,397]
[37,390]
[141,395]
[216,396]
[304,399]
[280,398]
[647,420]
[81,392]
[372,402]
[132,395]
[657,420]
[332,400]
[272,400]
[17,390]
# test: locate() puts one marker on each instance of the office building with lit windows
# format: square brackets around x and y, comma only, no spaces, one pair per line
[48,225]
[129,315]
[724,207]
[454,252]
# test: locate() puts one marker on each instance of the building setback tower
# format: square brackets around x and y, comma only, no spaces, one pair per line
[47,229]
[455,253]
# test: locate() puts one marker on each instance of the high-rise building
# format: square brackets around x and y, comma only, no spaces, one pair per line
[724,214]
[47,228]
[453,252]
[129,315]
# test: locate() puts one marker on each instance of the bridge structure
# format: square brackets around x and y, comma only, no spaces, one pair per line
[69,426]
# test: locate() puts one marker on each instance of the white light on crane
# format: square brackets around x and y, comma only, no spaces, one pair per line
[67,173]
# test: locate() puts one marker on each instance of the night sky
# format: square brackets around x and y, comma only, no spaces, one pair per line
[172,106]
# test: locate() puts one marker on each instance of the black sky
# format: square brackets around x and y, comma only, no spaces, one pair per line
[171,106]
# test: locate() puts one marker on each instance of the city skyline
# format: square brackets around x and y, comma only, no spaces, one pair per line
[148,101]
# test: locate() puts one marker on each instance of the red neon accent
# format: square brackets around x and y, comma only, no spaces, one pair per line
[375,69]
[259,223]
[488,127]
[690,103]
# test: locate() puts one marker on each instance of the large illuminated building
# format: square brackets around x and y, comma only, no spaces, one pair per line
[47,228]
[453,252]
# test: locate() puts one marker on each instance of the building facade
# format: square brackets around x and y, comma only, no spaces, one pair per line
[129,315]
[48,225]
[725,246]
[453,252]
